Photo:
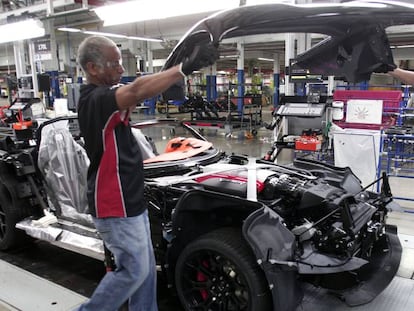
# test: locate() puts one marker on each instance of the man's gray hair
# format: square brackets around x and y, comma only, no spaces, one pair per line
[90,50]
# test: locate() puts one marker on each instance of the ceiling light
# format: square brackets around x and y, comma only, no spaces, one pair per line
[266,59]
[144,39]
[69,29]
[229,56]
[27,29]
[108,34]
[403,46]
[142,10]
[105,34]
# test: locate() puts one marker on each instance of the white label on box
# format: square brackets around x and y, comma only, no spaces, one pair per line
[367,111]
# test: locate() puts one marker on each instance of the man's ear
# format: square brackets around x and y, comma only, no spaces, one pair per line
[92,68]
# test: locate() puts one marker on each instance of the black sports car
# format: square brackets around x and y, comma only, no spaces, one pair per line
[240,233]
[230,232]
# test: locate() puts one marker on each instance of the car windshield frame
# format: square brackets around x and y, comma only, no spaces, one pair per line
[161,132]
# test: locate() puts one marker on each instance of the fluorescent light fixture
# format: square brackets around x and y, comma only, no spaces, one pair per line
[105,34]
[109,34]
[143,10]
[229,56]
[69,29]
[266,59]
[144,39]
[27,29]
[402,46]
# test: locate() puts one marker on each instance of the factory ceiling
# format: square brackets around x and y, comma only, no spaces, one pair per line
[79,14]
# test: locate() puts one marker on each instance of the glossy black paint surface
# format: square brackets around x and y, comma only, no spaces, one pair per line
[357,45]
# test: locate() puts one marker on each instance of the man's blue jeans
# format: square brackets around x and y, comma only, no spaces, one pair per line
[129,239]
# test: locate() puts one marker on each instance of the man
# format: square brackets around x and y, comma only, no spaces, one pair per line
[115,175]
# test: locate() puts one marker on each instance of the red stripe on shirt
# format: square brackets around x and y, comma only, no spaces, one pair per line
[108,190]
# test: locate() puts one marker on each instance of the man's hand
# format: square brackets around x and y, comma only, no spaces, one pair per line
[202,56]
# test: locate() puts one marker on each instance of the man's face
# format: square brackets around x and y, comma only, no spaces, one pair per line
[110,72]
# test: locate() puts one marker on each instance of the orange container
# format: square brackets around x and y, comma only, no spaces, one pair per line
[23,125]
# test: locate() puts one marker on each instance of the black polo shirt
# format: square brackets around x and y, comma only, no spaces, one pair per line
[115,175]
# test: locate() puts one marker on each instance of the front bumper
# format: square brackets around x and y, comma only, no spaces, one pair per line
[378,274]
[273,245]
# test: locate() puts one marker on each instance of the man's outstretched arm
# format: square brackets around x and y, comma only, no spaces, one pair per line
[403,75]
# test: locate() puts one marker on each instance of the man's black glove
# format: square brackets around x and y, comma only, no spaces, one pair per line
[202,56]
[391,67]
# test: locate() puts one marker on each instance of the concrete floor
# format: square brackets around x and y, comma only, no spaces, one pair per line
[42,294]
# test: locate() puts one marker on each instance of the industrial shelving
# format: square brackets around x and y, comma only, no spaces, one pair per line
[397,159]
[396,156]
[250,119]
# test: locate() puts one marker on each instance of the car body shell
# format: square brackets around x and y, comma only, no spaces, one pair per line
[356,44]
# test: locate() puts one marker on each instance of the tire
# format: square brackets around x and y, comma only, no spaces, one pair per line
[219,272]
[10,215]
[183,109]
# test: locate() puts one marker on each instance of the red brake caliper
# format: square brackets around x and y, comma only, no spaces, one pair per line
[201,277]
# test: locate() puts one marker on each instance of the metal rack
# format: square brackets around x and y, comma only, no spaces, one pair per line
[397,159]
[323,155]
[396,156]
[249,120]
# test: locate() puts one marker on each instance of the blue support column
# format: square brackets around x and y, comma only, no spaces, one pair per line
[363,85]
[54,87]
[240,90]
[213,81]
[208,87]
[276,80]
[240,78]
[54,83]
[276,92]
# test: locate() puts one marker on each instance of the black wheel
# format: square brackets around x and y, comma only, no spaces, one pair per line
[10,214]
[218,272]
[162,110]
[183,108]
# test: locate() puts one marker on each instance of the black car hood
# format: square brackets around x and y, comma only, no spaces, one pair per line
[357,44]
